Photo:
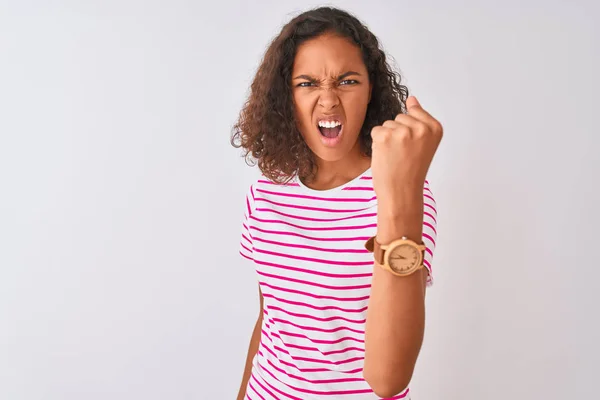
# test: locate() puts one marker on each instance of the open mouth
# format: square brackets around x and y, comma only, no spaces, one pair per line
[330,130]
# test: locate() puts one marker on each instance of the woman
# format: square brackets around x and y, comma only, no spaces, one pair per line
[344,154]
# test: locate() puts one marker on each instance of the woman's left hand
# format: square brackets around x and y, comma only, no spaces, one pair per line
[402,152]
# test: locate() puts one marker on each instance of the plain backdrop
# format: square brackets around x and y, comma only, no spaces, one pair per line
[121,198]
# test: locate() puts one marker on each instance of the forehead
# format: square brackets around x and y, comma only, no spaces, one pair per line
[328,54]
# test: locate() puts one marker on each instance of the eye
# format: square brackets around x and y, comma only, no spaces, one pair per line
[351,82]
[305,84]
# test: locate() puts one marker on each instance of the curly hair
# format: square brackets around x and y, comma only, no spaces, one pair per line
[266,128]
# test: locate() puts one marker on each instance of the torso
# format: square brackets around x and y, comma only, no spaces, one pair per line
[307,247]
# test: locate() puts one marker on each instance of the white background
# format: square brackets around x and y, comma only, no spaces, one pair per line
[121,198]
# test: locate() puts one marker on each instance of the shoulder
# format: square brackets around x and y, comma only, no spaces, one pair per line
[264,188]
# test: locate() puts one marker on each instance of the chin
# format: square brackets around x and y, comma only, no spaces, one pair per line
[330,155]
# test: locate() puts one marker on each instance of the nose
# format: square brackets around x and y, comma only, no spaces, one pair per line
[328,98]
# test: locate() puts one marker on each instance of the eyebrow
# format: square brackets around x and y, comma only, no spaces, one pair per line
[342,76]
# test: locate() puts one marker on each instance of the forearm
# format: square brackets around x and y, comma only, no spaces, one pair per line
[396,313]
[252,350]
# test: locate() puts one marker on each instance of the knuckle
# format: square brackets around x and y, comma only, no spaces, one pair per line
[437,127]
[386,135]
[421,129]
[381,134]
[403,131]
[376,132]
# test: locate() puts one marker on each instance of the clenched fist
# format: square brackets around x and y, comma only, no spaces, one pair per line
[403,149]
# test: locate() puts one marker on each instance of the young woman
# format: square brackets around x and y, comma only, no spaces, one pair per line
[344,154]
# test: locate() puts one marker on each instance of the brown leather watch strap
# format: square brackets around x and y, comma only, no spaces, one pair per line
[374,247]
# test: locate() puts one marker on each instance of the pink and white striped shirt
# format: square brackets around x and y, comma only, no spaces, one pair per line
[307,247]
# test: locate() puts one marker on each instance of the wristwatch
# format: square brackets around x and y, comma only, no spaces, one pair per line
[402,257]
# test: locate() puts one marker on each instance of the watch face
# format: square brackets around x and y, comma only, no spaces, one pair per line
[404,258]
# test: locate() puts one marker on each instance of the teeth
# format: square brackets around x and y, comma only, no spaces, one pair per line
[329,124]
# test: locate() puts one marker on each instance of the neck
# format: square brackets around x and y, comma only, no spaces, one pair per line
[331,174]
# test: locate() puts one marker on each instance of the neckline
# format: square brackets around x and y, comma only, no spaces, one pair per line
[334,189]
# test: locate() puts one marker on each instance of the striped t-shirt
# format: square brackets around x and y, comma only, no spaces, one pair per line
[307,247]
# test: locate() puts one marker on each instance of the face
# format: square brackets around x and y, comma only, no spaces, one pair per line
[331,91]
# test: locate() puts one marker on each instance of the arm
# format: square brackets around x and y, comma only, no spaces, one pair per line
[396,314]
[252,349]
[402,152]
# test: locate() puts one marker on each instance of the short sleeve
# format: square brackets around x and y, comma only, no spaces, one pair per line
[246,243]
[429,230]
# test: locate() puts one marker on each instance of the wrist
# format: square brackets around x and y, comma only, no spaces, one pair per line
[400,218]
[400,205]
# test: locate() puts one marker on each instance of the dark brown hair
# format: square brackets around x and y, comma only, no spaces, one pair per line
[266,128]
